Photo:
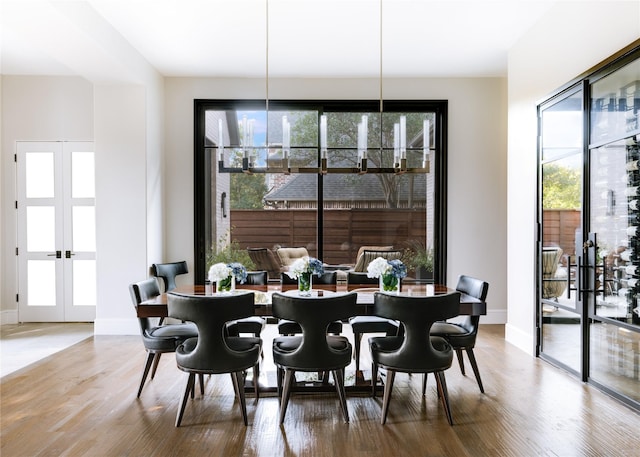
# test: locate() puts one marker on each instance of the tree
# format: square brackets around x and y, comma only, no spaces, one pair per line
[247,191]
[560,187]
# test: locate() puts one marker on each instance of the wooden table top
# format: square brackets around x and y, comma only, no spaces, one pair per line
[157,306]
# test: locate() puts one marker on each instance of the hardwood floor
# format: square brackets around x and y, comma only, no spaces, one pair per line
[82,402]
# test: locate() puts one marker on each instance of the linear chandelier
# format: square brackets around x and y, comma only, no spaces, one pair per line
[361,153]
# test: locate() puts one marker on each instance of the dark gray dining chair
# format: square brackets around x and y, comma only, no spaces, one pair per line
[414,351]
[212,352]
[157,339]
[167,272]
[366,323]
[314,350]
[462,336]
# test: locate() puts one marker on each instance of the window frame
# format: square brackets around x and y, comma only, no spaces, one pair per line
[202,164]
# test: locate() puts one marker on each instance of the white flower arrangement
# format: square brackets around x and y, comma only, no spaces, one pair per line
[305,265]
[221,271]
[381,266]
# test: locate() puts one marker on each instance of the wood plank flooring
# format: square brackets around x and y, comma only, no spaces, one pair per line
[82,402]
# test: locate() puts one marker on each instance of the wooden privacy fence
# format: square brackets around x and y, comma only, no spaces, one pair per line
[345,230]
[559,228]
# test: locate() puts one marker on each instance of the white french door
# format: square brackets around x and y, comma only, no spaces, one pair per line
[56,232]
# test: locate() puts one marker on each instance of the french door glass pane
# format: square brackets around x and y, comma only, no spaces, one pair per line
[82,175]
[39,175]
[84,229]
[41,229]
[41,279]
[84,283]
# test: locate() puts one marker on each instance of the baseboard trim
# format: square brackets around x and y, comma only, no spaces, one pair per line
[116,326]
[519,339]
[9,316]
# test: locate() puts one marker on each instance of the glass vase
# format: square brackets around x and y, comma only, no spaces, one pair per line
[226,285]
[389,283]
[304,284]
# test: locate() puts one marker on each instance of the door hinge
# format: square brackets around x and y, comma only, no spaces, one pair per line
[16,251]
[16,204]
[15,158]
[17,297]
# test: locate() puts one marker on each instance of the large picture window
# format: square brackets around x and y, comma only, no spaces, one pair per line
[334,216]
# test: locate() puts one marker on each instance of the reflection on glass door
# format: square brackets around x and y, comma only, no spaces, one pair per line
[56,232]
[614,324]
[559,308]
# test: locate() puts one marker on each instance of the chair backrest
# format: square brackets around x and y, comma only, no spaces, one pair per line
[265,259]
[550,259]
[356,280]
[289,255]
[141,291]
[326,281]
[168,272]
[369,256]
[256,280]
[476,288]
[210,313]
[417,314]
[314,314]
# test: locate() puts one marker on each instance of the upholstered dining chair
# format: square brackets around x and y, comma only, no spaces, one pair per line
[326,281]
[314,350]
[415,351]
[167,272]
[157,339]
[258,281]
[366,323]
[462,336]
[211,352]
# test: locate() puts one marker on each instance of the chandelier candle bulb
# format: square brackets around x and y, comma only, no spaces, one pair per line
[244,137]
[396,143]
[286,137]
[220,142]
[323,135]
[403,137]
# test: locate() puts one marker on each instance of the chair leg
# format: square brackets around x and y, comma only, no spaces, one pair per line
[474,365]
[155,364]
[391,375]
[235,385]
[185,396]
[357,337]
[279,376]
[424,384]
[147,365]
[201,379]
[338,378]
[460,361]
[289,376]
[256,378]
[444,395]
[374,378]
[238,380]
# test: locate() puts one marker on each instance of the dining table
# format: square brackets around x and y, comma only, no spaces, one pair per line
[157,306]
[358,382]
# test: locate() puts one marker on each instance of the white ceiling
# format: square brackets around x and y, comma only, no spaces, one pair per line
[99,39]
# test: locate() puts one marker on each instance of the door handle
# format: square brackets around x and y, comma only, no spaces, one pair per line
[57,254]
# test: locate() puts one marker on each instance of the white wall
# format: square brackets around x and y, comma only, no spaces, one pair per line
[477,160]
[34,108]
[568,41]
